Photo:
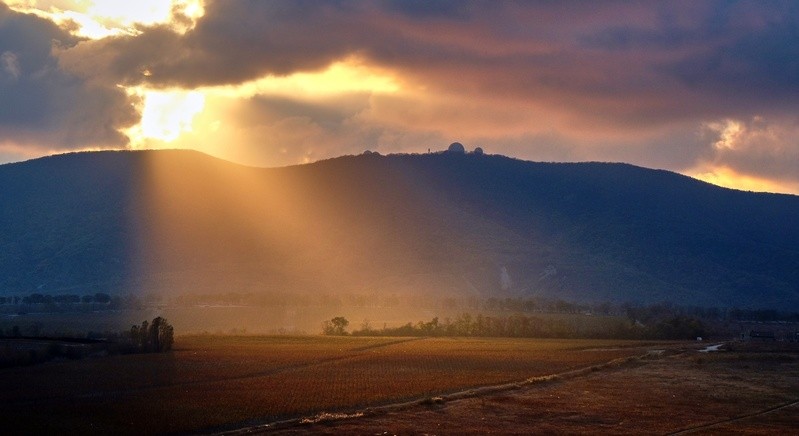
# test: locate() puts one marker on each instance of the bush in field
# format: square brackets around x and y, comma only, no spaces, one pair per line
[157,336]
[336,326]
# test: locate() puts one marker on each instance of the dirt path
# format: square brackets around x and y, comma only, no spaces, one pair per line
[326,418]
[668,394]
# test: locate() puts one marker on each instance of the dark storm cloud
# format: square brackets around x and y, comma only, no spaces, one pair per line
[675,60]
[234,42]
[422,9]
[761,68]
[25,56]
[44,106]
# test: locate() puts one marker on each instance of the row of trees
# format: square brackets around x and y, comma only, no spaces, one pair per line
[99,297]
[451,304]
[517,325]
[157,336]
[154,336]
[149,337]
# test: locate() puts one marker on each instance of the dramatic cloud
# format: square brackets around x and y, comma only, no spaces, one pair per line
[757,146]
[45,108]
[652,83]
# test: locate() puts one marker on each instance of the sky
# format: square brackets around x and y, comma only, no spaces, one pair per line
[709,89]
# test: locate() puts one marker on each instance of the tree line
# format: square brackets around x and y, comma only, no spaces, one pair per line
[470,304]
[156,336]
[524,326]
[18,349]
[37,298]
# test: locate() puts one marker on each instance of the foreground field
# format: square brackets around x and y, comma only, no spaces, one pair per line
[212,383]
[690,393]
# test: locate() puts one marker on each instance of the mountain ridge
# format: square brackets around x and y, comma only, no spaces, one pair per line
[440,223]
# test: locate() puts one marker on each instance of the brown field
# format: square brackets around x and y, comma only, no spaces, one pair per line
[741,392]
[217,383]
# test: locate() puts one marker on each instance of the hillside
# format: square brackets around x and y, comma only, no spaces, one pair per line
[435,224]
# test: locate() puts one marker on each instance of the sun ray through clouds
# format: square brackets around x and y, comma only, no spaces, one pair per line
[165,115]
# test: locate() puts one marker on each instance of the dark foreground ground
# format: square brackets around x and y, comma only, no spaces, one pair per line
[212,384]
[305,384]
[728,392]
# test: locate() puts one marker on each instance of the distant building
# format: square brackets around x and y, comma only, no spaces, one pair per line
[456,147]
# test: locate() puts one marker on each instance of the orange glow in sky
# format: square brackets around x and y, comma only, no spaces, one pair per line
[270,85]
[176,118]
[167,114]
[729,178]
[97,19]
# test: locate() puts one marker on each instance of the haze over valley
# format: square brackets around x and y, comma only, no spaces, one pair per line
[399,217]
[425,227]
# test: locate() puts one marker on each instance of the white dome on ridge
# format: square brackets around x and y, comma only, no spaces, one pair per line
[456,147]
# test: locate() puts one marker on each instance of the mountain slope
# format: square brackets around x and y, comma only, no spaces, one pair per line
[435,224]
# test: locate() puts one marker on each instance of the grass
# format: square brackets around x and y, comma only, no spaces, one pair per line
[219,382]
